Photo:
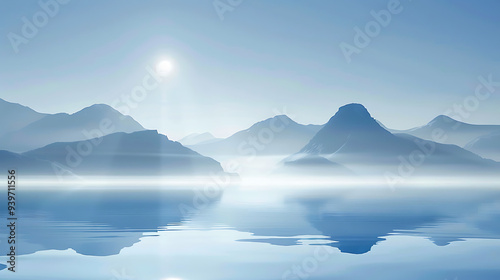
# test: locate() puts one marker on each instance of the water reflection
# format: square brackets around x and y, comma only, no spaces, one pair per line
[102,223]
[356,220]
[98,223]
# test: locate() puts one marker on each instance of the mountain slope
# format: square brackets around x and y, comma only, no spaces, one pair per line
[138,153]
[15,116]
[354,139]
[446,130]
[90,122]
[24,165]
[279,135]
[487,146]
[198,138]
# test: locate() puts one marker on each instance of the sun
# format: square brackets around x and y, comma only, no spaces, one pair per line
[164,67]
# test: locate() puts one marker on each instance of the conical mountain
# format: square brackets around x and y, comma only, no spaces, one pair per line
[354,139]
[352,130]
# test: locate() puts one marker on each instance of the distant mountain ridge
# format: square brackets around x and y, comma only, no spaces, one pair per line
[84,124]
[24,165]
[14,116]
[97,140]
[352,141]
[487,146]
[278,135]
[447,130]
[138,153]
[198,138]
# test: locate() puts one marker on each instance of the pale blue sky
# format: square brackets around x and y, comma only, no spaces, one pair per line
[264,55]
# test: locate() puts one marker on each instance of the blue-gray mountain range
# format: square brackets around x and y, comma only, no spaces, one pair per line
[487,146]
[279,135]
[350,139]
[23,129]
[446,130]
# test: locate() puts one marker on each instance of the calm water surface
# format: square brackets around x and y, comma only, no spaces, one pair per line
[257,233]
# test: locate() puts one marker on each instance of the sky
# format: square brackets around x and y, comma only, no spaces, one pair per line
[249,60]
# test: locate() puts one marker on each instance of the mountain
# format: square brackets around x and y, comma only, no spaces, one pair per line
[24,165]
[137,153]
[279,135]
[90,122]
[351,130]
[393,131]
[198,138]
[487,146]
[14,116]
[446,130]
[311,165]
[355,140]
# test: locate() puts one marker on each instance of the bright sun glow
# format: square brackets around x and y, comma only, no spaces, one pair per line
[164,67]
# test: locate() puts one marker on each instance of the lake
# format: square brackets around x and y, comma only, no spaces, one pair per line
[256,232]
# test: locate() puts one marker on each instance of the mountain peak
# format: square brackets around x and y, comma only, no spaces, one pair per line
[98,108]
[352,114]
[40,130]
[351,128]
[354,107]
[443,120]
[282,118]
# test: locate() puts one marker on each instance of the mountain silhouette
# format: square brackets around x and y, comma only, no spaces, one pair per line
[356,140]
[24,164]
[90,122]
[347,132]
[487,146]
[311,165]
[446,130]
[137,153]
[279,135]
[14,116]
[198,138]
